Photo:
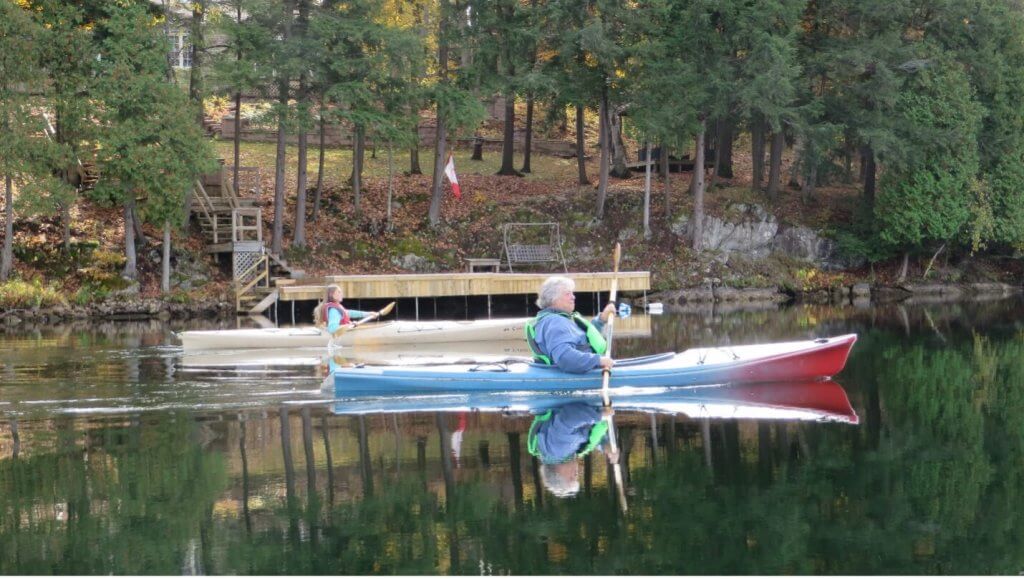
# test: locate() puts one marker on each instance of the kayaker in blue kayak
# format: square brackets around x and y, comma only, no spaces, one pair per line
[561,435]
[560,336]
[332,314]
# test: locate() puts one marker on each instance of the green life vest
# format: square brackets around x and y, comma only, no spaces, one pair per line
[594,336]
[597,434]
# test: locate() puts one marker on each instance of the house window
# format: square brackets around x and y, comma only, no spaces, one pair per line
[181,50]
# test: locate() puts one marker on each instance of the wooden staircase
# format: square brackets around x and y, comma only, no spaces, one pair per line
[234,224]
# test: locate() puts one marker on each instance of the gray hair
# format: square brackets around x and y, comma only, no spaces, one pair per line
[557,484]
[552,289]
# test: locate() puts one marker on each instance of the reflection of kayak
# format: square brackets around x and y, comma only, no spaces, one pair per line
[779,362]
[822,401]
[407,354]
[367,334]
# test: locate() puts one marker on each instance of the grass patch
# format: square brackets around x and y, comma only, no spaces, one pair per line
[23,295]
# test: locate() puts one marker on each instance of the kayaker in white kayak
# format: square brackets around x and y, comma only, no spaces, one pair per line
[332,314]
[560,336]
[560,436]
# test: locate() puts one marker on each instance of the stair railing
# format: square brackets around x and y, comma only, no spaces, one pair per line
[258,275]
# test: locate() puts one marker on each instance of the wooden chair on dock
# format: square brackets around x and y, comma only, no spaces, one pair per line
[531,244]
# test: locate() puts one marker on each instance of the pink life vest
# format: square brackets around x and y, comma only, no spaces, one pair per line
[336,306]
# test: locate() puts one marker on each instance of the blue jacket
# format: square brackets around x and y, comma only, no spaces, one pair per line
[560,339]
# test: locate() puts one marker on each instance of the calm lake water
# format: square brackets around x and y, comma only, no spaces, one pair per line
[120,455]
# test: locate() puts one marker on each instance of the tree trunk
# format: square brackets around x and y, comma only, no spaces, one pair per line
[320,167]
[528,137]
[130,270]
[414,153]
[869,177]
[647,194]
[697,220]
[799,160]
[617,148]
[140,235]
[171,79]
[810,181]
[508,137]
[775,164]
[358,156]
[903,269]
[581,151]
[441,138]
[301,178]
[716,163]
[165,262]
[7,257]
[757,151]
[391,186]
[303,106]
[237,140]
[478,148]
[603,138]
[277,239]
[723,151]
[195,77]
[664,166]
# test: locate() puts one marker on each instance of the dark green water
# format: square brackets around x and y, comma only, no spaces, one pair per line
[119,456]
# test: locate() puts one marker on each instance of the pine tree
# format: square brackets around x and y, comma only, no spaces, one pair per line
[151,148]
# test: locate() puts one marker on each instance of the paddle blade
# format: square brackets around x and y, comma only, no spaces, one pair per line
[386,310]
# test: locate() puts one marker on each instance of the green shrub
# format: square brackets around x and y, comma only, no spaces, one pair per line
[90,293]
[18,294]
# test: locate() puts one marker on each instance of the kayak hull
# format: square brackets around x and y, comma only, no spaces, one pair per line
[778,362]
[372,334]
[817,401]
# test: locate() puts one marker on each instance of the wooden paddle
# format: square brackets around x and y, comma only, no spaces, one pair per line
[606,375]
[373,316]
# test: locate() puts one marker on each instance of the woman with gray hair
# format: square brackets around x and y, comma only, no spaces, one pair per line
[561,337]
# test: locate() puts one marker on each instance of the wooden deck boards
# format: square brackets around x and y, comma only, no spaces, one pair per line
[458,284]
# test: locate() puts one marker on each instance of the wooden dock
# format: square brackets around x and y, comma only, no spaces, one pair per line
[436,285]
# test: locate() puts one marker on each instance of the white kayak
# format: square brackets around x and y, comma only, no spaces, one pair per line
[372,334]
[384,334]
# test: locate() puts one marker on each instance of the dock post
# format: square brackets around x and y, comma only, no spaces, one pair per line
[488,306]
[417,308]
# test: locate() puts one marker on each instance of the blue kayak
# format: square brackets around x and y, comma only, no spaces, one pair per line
[817,401]
[777,362]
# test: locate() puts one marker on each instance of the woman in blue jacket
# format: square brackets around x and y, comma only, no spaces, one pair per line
[561,337]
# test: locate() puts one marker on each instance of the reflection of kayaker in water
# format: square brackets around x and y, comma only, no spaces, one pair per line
[561,435]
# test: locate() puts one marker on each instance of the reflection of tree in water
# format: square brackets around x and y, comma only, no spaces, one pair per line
[133,500]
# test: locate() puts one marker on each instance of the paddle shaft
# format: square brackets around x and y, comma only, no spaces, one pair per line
[375,315]
[606,375]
